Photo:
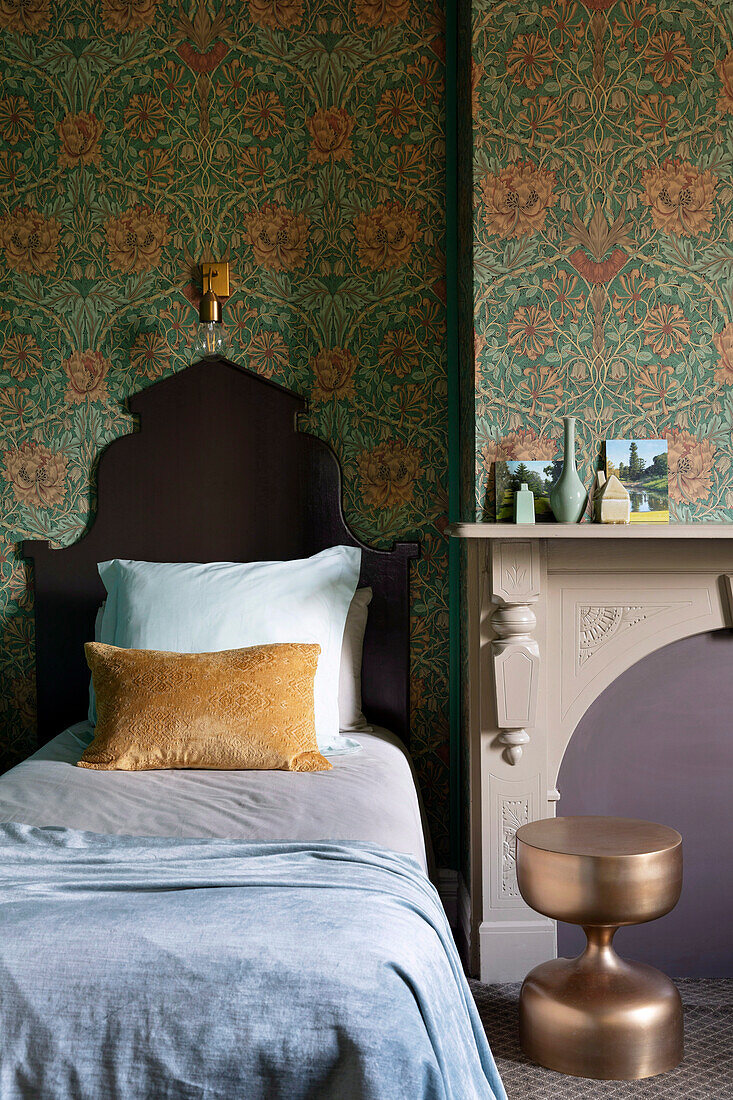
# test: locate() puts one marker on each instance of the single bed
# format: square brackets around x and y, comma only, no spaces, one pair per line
[181,934]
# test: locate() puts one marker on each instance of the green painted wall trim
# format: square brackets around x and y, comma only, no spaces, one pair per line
[454,441]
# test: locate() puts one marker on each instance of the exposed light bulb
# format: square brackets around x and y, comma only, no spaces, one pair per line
[211,339]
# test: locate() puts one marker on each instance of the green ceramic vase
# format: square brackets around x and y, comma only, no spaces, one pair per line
[568,497]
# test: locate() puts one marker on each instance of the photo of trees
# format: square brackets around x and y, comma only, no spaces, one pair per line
[539,476]
[641,465]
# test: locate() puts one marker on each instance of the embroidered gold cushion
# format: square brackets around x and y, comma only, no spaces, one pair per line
[240,708]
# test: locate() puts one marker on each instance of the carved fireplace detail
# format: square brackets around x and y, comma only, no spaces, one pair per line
[555,614]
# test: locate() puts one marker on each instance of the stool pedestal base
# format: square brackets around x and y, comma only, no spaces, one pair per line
[600,1016]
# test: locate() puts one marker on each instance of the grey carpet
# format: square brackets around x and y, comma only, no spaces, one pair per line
[705,1074]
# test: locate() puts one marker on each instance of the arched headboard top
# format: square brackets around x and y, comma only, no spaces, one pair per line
[218,471]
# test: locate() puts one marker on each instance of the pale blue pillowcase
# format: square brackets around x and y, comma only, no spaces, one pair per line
[194,608]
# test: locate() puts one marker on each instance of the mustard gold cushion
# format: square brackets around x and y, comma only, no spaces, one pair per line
[241,708]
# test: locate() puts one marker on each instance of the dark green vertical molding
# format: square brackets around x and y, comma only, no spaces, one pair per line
[454,441]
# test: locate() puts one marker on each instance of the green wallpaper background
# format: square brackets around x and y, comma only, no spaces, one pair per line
[602,145]
[302,141]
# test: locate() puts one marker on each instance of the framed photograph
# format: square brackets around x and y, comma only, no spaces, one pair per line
[539,476]
[641,465]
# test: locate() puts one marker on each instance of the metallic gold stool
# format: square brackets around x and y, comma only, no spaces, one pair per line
[599,1015]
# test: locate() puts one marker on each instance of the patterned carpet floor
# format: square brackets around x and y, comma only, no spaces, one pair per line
[705,1074]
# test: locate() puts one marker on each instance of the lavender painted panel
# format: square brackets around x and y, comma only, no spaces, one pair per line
[658,744]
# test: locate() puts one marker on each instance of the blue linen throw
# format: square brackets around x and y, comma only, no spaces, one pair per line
[175,969]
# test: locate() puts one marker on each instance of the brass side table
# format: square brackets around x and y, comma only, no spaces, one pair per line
[599,1015]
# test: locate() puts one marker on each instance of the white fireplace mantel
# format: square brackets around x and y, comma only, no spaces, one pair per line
[555,612]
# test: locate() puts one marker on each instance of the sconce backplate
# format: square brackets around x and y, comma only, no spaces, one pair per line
[219,277]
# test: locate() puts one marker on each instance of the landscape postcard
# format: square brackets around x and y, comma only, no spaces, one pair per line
[641,465]
[539,476]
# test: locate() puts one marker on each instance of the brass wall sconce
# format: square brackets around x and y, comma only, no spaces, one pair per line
[211,335]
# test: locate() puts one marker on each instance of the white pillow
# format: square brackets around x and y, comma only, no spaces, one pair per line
[193,608]
[351,717]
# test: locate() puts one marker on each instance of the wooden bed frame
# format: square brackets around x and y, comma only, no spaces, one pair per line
[218,471]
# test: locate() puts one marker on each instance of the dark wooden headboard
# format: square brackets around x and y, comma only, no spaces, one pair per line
[218,471]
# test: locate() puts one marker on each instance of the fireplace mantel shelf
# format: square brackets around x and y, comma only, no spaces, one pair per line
[542,531]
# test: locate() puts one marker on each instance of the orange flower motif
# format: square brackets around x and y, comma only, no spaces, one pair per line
[256,167]
[542,117]
[149,354]
[80,136]
[724,343]
[478,72]
[30,241]
[144,116]
[9,164]
[564,290]
[21,356]
[156,169]
[479,346]
[529,59]
[680,197]
[16,118]
[724,69]
[36,474]
[632,19]
[87,371]
[203,61]
[399,352]
[330,129]
[517,200]
[268,354]
[388,474]
[127,15]
[333,371]
[397,111]
[381,13]
[276,13]
[136,238]
[568,19]
[656,113]
[690,465]
[239,321]
[264,113]
[531,331]
[655,386]
[409,164]
[385,237]
[21,694]
[666,329]
[539,390]
[523,444]
[598,272]
[26,16]
[632,293]
[279,237]
[16,585]
[668,57]
[203,39]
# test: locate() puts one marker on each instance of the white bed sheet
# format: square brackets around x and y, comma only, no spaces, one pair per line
[368,796]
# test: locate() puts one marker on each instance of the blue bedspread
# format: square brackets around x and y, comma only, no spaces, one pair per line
[168,969]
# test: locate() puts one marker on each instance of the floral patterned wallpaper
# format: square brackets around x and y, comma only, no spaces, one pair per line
[304,142]
[603,235]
